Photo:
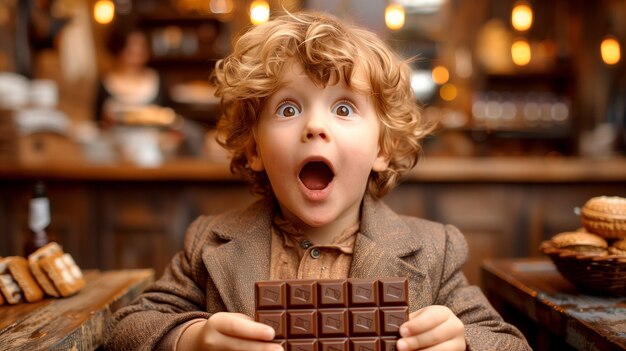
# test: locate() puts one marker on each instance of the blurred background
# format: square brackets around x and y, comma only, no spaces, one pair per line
[108,103]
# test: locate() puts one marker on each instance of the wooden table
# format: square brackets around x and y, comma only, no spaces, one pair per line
[73,323]
[532,294]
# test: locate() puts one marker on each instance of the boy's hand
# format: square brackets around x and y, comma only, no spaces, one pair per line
[229,331]
[432,328]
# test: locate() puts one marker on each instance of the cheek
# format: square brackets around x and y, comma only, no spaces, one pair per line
[275,153]
[363,144]
[361,157]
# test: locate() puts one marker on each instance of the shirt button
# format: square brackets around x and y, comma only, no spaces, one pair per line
[305,244]
[315,253]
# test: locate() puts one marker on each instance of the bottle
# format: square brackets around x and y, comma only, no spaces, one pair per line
[38,219]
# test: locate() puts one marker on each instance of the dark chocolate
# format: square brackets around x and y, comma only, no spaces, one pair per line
[333,314]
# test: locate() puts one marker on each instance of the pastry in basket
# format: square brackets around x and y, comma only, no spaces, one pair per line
[618,248]
[41,276]
[605,216]
[582,242]
[16,281]
[63,273]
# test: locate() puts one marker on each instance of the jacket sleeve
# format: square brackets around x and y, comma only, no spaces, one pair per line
[174,300]
[484,327]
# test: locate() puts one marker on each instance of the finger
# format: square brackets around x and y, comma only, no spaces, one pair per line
[450,345]
[243,327]
[226,342]
[424,319]
[452,329]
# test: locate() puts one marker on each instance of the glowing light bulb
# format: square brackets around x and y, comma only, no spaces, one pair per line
[104,11]
[610,50]
[394,16]
[522,16]
[520,52]
[259,12]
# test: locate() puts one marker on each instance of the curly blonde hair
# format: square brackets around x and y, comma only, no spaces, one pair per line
[328,49]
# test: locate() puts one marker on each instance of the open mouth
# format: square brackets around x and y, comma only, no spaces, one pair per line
[316,175]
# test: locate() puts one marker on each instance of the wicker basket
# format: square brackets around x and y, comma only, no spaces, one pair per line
[598,275]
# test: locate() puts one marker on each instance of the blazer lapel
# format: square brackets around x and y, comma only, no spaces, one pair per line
[385,247]
[236,265]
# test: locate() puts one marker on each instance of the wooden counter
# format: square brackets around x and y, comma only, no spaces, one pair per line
[72,323]
[522,170]
[549,309]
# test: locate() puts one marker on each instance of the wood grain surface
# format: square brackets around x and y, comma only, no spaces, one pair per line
[73,323]
[536,289]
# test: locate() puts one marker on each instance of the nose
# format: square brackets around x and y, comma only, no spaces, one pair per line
[315,128]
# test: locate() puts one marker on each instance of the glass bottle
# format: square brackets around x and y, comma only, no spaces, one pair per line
[38,219]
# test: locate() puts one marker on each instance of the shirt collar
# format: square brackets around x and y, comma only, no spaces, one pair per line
[292,236]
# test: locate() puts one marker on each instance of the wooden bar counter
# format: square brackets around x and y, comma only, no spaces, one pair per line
[531,293]
[77,322]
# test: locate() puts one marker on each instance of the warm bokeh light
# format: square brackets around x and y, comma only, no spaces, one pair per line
[448,92]
[610,51]
[520,52]
[522,16]
[259,12]
[221,6]
[103,11]
[440,75]
[394,16]
[422,84]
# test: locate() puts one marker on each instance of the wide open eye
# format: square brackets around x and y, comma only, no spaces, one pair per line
[288,109]
[344,109]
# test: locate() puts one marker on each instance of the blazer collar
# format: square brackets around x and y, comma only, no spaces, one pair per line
[382,248]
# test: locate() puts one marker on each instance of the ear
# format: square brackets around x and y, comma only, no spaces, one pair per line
[254,157]
[381,162]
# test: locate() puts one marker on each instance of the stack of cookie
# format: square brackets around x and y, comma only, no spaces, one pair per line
[47,271]
[604,228]
[594,257]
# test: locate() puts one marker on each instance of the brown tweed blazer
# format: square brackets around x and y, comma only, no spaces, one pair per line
[225,254]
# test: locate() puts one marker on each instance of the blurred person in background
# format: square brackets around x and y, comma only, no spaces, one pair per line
[130,85]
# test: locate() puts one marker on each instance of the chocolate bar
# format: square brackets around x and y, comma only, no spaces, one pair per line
[333,314]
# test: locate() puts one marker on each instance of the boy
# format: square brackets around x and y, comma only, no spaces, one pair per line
[320,117]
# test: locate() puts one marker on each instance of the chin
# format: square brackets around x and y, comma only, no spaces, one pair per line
[316,221]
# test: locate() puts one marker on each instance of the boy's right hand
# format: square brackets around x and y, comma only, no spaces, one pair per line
[228,331]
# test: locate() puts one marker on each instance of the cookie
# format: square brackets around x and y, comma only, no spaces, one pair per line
[618,248]
[16,282]
[605,216]
[63,272]
[581,242]
[10,289]
[18,268]
[41,277]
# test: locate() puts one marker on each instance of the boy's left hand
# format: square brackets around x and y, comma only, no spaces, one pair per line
[432,328]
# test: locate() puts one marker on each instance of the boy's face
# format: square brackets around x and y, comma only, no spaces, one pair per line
[318,147]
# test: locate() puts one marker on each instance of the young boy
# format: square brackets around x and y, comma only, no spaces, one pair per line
[320,117]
